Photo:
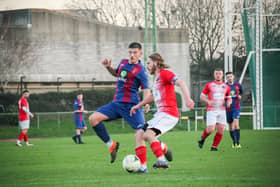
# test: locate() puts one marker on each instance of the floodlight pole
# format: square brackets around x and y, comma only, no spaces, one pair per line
[150,23]
[154,27]
[261,60]
[259,92]
[227,36]
[146,32]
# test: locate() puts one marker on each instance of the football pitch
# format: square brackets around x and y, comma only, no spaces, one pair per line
[60,162]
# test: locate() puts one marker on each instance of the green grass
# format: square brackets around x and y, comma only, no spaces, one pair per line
[60,162]
[50,128]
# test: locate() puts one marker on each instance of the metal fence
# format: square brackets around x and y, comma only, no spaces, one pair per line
[189,120]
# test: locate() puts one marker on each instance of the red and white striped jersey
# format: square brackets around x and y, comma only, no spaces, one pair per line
[22,114]
[164,93]
[217,92]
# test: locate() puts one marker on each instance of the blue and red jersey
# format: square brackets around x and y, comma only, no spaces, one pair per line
[235,90]
[78,105]
[130,78]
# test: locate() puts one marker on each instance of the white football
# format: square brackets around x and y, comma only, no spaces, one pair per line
[131,163]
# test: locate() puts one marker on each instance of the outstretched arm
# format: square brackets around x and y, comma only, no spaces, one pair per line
[81,111]
[107,65]
[147,99]
[185,91]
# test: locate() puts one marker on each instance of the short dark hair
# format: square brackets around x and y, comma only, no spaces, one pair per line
[229,72]
[135,45]
[79,93]
[218,69]
[25,91]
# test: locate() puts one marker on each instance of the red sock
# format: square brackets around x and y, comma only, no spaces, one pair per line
[217,139]
[156,148]
[205,134]
[21,135]
[141,153]
[25,137]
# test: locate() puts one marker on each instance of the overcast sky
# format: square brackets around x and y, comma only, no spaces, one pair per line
[20,4]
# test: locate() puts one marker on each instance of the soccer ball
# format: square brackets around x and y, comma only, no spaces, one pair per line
[131,163]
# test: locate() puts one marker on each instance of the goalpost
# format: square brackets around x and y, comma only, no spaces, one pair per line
[262,60]
[257,124]
[263,65]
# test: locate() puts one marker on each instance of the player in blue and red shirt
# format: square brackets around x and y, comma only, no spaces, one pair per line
[233,113]
[79,118]
[131,76]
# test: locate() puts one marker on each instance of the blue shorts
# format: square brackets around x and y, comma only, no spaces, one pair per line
[233,114]
[80,124]
[115,110]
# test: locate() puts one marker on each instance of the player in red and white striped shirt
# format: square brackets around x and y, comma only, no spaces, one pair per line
[216,91]
[167,111]
[24,120]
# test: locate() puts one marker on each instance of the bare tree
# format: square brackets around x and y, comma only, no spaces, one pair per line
[15,55]
[166,13]
[117,12]
[204,20]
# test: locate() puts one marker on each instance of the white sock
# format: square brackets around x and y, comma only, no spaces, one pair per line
[18,142]
[162,158]
[163,145]
[109,143]
[143,166]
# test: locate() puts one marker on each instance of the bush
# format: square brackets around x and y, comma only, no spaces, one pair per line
[11,119]
[53,102]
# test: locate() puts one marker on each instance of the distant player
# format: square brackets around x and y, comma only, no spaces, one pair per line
[79,118]
[167,114]
[233,113]
[216,91]
[24,120]
[131,76]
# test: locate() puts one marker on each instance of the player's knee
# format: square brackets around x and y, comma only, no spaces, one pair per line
[24,130]
[145,136]
[138,136]
[93,120]
[221,128]
[237,126]
[210,130]
[90,118]
[149,136]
